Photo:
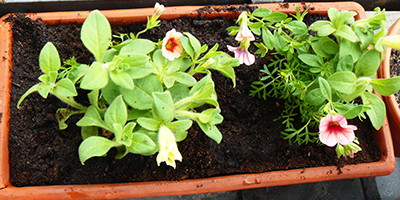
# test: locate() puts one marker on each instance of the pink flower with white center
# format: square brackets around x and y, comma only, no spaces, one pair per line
[172,45]
[244,33]
[333,129]
[243,55]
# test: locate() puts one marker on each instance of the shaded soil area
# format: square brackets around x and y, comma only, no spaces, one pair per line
[41,154]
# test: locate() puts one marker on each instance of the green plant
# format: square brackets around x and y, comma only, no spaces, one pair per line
[330,72]
[142,100]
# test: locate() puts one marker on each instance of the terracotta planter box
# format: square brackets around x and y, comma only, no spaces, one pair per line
[164,188]
[392,107]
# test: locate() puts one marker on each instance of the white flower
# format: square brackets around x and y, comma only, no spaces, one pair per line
[158,9]
[168,152]
[243,55]
[244,33]
[172,45]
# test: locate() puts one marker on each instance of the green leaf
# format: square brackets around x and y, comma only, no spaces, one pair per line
[49,60]
[345,64]
[135,113]
[65,88]
[109,55]
[187,47]
[207,115]
[344,82]
[325,47]
[141,96]
[297,27]
[268,38]
[142,144]
[110,92]
[324,28]
[262,12]
[95,146]
[314,97]
[148,123]
[349,48]
[353,112]
[310,59]
[134,59]
[96,34]
[92,118]
[88,131]
[30,91]
[184,78]
[63,114]
[95,78]
[122,79]
[164,106]
[138,46]
[368,64]
[211,131]
[116,113]
[346,32]
[194,43]
[386,87]
[325,88]
[275,17]
[377,111]
[44,89]
[140,71]
[178,92]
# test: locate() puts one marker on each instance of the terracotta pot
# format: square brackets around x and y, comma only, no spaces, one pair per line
[163,188]
[392,107]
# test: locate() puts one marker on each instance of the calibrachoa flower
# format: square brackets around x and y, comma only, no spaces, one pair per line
[243,55]
[168,149]
[172,45]
[244,33]
[334,129]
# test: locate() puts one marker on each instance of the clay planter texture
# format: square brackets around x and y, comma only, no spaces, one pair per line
[164,188]
[392,107]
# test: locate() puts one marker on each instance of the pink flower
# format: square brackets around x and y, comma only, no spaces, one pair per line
[244,33]
[172,45]
[243,55]
[333,129]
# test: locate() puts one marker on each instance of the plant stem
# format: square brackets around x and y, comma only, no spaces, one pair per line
[71,102]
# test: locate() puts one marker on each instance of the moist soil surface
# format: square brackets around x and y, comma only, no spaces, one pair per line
[41,154]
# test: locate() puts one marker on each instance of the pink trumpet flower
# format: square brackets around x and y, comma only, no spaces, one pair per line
[334,129]
[243,55]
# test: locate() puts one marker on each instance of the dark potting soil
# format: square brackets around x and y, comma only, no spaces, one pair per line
[395,69]
[41,154]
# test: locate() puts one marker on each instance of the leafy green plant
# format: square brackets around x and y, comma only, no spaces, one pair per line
[140,101]
[330,72]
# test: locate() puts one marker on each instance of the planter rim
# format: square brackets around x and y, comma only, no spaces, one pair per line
[191,186]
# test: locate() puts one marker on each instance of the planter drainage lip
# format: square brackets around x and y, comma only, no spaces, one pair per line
[191,186]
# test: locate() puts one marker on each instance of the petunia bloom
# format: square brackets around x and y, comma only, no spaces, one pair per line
[168,152]
[172,45]
[243,55]
[334,129]
[244,33]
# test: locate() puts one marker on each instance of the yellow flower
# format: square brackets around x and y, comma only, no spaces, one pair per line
[168,152]
[172,45]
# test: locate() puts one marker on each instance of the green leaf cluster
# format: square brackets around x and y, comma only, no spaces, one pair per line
[332,71]
[134,90]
